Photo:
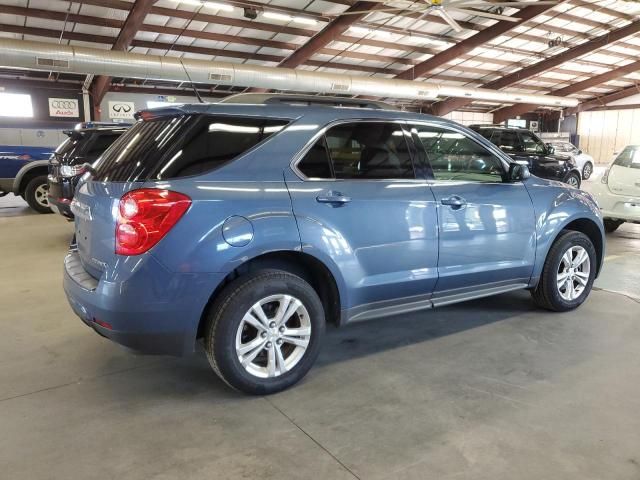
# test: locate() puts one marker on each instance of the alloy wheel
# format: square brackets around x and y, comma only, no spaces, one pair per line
[41,195]
[573,273]
[573,181]
[586,172]
[273,336]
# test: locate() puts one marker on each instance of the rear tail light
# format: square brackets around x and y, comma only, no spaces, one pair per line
[145,216]
[69,171]
[605,176]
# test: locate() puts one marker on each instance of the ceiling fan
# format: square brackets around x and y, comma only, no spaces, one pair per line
[442,8]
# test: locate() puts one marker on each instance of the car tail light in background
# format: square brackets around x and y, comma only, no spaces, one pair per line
[69,171]
[605,176]
[145,216]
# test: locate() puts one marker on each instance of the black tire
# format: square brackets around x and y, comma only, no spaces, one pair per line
[226,314]
[32,194]
[611,226]
[587,171]
[575,178]
[546,294]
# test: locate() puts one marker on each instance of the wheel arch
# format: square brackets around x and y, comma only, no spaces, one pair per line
[26,173]
[305,265]
[592,230]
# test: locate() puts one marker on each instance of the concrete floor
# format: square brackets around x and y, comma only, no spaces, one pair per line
[491,389]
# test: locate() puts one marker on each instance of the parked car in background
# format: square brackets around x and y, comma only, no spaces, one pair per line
[526,148]
[584,162]
[67,164]
[23,171]
[251,226]
[618,192]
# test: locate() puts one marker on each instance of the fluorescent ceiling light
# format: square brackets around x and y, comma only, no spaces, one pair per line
[288,18]
[213,5]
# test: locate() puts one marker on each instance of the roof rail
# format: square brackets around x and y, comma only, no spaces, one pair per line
[287,99]
[485,125]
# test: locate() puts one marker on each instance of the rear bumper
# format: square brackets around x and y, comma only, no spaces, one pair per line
[61,195]
[148,308]
[61,206]
[617,207]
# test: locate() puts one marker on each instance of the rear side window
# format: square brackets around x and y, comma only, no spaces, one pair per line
[180,146]
[630,158]
[360,151]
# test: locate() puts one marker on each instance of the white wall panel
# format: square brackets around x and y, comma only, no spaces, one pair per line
[604,132]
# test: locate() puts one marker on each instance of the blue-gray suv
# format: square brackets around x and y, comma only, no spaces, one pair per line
[250,227]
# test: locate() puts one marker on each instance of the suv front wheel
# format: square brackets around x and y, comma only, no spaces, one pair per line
[568,273]
[573,179]
[264,331]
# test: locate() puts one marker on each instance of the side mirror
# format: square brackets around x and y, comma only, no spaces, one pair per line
[518,172]
[551,149]
[579,152]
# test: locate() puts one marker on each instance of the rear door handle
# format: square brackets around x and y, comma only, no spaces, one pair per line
[334,198]
[454,201]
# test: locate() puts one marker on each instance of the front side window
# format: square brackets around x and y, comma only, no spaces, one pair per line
[533,144]
[181,146]
[629,158]
[454,156]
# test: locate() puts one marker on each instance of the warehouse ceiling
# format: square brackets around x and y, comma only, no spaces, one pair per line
[585,49]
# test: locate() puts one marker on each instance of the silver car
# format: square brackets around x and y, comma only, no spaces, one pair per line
[584,162]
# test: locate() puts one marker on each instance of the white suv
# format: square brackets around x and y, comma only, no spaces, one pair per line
[584,162]
[618,192]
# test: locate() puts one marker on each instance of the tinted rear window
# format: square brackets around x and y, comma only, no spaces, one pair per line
[630,158]
[180,146]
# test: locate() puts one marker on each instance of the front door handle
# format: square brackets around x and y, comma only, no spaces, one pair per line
[334,198]
[454,201]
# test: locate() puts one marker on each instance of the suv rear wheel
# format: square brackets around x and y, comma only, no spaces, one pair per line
[264,331]
[568,273]
[587,170]
[36,193]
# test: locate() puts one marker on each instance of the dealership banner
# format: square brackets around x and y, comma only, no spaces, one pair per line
[64,107]
[121,110]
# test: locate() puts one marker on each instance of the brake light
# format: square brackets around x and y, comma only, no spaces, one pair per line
[145,216]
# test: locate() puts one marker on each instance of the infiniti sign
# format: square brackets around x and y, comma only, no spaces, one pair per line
[121,110]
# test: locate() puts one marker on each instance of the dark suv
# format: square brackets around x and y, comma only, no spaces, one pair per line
[526,148]
[84,145]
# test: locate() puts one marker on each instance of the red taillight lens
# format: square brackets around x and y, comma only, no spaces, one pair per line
[145,216]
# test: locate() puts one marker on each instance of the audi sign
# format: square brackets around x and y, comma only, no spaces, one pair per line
[64,107]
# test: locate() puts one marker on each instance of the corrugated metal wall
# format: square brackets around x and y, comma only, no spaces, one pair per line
[604,132]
